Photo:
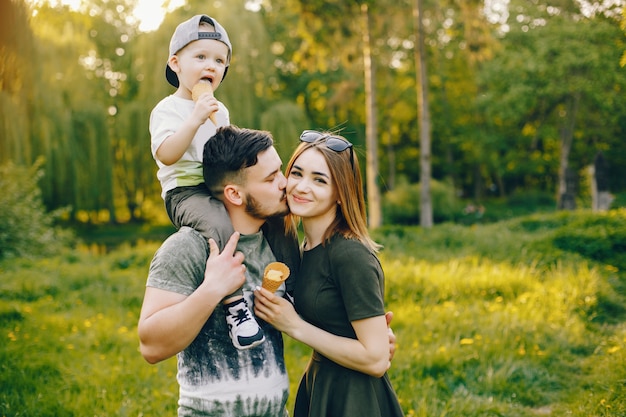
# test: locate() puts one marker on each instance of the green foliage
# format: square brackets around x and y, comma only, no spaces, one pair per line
[519,203]
[495,320]
[619,200]
[402,204]
[74,327]
[26,228]
[491,320]
[497,99]
[530,200]
[601,238]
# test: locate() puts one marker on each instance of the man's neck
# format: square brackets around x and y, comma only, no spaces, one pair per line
[245,224]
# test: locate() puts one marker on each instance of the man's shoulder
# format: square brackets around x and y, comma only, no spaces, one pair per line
[178,264]
[186,234]
[185,239]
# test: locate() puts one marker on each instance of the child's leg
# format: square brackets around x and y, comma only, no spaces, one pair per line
[196,208]
[243,328]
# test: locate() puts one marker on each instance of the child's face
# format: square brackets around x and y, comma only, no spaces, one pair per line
[201,60]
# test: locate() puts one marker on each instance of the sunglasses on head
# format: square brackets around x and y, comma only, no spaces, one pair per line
[334,143]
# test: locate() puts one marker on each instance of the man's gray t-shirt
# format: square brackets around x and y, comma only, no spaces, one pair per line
[215,378]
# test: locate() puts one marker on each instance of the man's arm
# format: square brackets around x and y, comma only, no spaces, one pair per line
[391,335]
[169,321]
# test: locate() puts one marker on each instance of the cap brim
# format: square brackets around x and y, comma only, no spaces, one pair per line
[171,76]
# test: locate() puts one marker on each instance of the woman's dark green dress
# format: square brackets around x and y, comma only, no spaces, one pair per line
[340,282]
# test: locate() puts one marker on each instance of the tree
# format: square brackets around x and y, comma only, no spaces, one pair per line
[17,52]
[322,31]
[541,84]
[21,201]
[426,207]
[80,158]
[371,125]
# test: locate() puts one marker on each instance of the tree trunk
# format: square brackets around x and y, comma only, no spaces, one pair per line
[600,196]
[390,184]
[566,194]
[371,127]
[426,207]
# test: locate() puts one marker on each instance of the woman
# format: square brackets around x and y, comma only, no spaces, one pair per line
[339,291]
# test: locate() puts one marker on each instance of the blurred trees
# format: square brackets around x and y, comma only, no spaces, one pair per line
[26,228]
[566,101]
[516,94]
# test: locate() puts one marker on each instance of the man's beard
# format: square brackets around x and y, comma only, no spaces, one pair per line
[255,209]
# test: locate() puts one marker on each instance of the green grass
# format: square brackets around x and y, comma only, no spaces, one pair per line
[524,317]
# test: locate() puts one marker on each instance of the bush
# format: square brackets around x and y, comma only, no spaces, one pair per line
[619,200]
[26,228]
[402,204]
[520,203]
[600,237]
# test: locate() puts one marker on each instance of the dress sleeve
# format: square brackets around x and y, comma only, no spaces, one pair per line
[359,277]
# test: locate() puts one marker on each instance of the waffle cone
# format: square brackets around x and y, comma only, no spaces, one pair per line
[199,89]
[274,275]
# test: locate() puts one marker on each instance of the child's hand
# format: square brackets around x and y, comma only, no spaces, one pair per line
[204,91]
[205,108]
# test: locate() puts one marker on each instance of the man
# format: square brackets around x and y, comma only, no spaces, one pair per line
[179,314]
[186,284]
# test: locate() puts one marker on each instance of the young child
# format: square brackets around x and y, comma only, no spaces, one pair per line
[200,52]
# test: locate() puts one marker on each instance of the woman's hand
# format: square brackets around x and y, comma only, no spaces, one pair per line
[275,310]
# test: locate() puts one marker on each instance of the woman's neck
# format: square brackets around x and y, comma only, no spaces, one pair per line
[314,230]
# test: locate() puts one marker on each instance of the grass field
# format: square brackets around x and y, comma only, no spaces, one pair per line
[519,318]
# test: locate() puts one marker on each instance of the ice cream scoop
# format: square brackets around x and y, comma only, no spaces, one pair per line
[274,275]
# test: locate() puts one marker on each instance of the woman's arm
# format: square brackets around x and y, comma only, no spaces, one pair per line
[369,353]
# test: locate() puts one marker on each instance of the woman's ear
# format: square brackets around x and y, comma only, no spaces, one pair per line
[232,195]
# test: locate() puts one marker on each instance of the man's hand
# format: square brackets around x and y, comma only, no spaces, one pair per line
[392,337]
[225,272]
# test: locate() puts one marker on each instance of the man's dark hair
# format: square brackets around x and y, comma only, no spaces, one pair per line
[228,152]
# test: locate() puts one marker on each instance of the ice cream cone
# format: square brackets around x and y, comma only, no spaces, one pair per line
[274,275]
[201,88]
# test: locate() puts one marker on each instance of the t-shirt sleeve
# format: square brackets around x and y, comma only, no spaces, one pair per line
[178,265]
[359,277]
[164,121]
[224,110]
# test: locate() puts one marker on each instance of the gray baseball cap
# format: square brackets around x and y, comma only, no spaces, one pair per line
[188,32]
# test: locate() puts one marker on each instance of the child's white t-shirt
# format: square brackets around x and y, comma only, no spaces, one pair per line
[166,118]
